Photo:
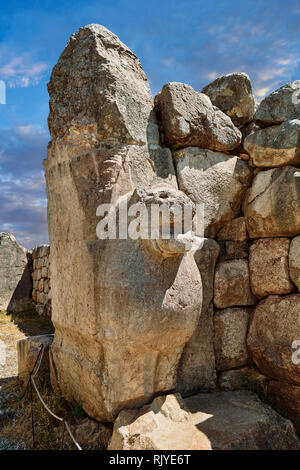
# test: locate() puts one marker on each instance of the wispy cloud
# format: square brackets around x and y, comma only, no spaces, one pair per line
[22,184]
[20,71]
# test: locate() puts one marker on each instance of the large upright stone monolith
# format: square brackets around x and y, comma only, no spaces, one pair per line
[15,278]
[123,309]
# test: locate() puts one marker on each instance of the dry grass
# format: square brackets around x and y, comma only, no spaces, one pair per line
[16,425]
[48,431]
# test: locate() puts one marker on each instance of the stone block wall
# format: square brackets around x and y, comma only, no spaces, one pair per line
[41,293]
[251,197]
[139,319]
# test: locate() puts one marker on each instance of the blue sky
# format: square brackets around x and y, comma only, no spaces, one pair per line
[190,41]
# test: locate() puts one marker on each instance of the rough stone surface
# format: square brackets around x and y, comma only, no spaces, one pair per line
[206,259]
[245,131]
[294,261]
[221,421]
[240,421]
[233,379]
[189,119]
[16,284]
[232,284]
[272,204]
[41,293]
[236,250]
[281,105]
[230,327]
[214,179]
[234,230]
[134,317]
[92,435]
[231,250]
[99,92]
[276,145]
[28,350]
[269,267]
[237,379]
[123,309]
[150,307]
[197,365]
[162,425]
[232,94]
[285,398]
[274,326]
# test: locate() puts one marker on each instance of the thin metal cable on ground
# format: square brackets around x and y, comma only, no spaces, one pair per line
[31,381]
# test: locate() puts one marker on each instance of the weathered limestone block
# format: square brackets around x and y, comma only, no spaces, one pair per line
[34,294]
[46,286]
[269,267]
[237,379]
[99,92]
[281,105]
[276,145]
[28,350]
[232,250]
[196,370]
[37,265]
[285,398]
[123,309]
[221,421]
[239,420]
[236,250]
[189,119]
[272,204]
[232,284]
[294,261]
[41,285]
[217,180]
[162,425]
[92,435]
[232,94]
[230,327]
[149,307]
[44,272]
[16,282]
[274,326]
[41,274]
[41,298]
[41,251]
[240,151]
[234,230]
[234,379]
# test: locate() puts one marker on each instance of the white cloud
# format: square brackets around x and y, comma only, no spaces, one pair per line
[211,75]
[270,73]
[167,62]
[22,72]
[28,130]
[262,91]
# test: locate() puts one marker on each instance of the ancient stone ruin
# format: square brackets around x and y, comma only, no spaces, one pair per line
[15,275]
[165,340]
[24,277]
[41,293]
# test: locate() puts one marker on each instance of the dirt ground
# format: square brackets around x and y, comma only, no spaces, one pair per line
[16,412]
[13,328]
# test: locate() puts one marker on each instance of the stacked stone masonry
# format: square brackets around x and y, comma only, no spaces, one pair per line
[134,320]
[41,293]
